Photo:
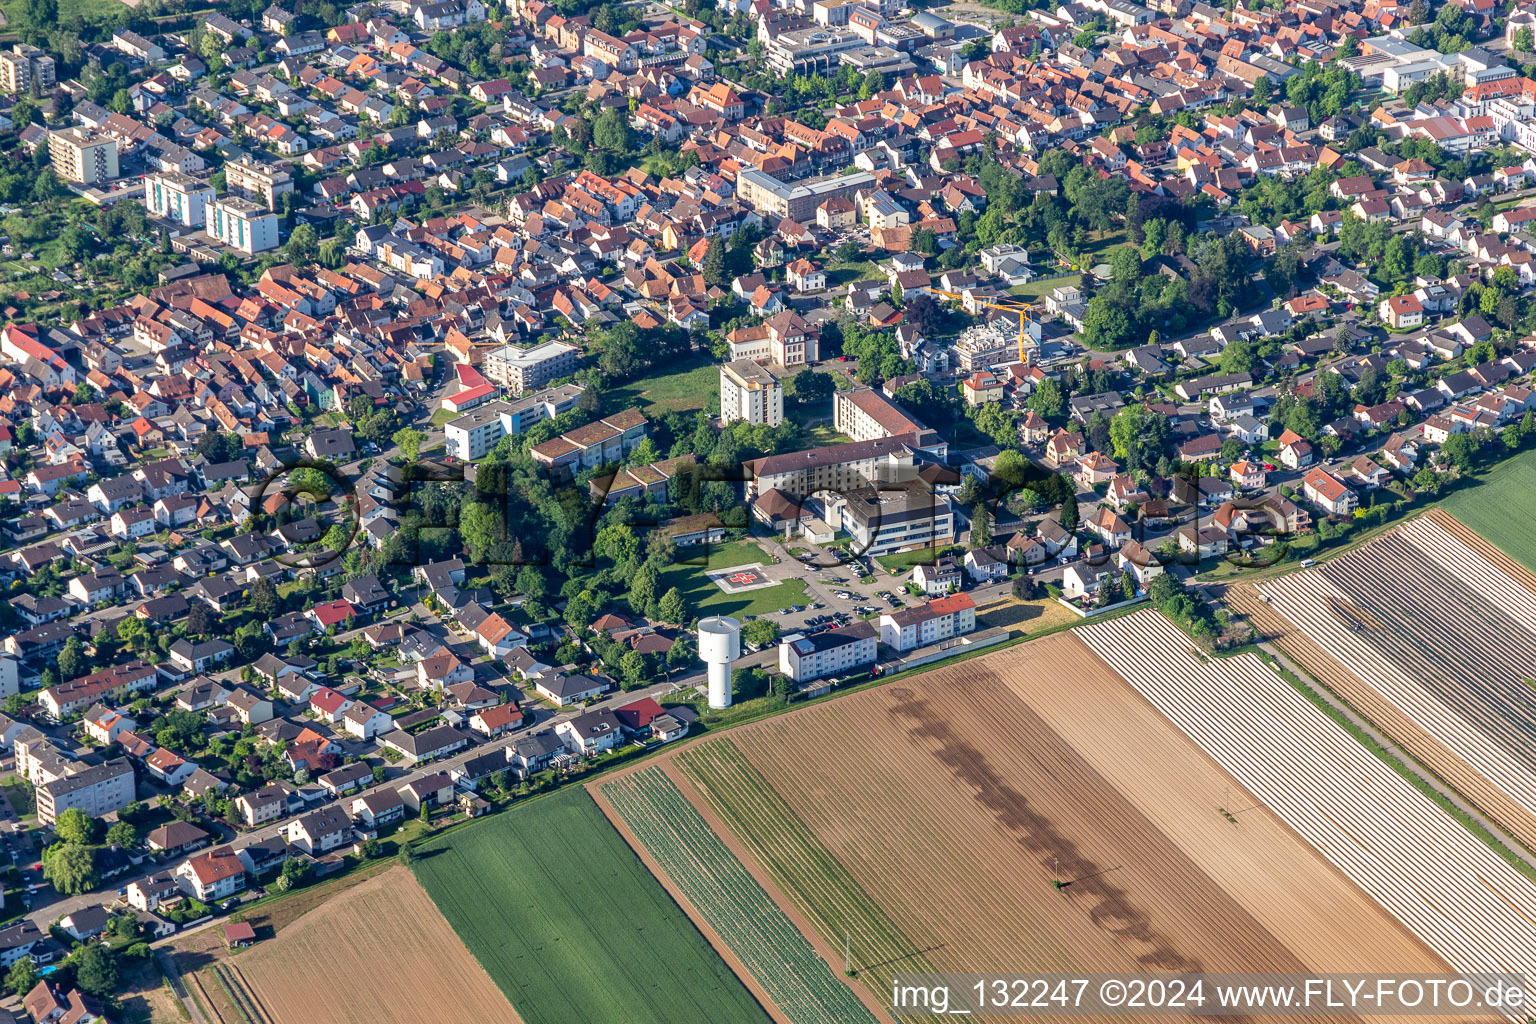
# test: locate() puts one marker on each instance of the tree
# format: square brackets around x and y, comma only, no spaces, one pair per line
[671,608]
[264,601]
[70,868]
[123,834]
[1523,39]
[303,245]
[75,826]
[408,440]
[1237,356]
[22,977]
[981,526]
[1048,400]
[612,132]
[72,659]
[714,263]
[95,971]
[812,388]
[760,632]
[632,667]
[202,620]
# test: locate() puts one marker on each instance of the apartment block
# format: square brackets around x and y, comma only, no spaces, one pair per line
[474,434]
[96,790]
[750,392]
[258,182]
[178,197]
[23,65]
[528,369]
[242,224]
[940,619]
[83,156]
[803,658]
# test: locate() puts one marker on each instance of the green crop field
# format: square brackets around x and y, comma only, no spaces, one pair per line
[760,935]
[1500,508]
[799,864]
[569,923]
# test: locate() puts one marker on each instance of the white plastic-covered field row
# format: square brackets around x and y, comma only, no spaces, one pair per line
[1424,868]
[1453,554]
[1306,599]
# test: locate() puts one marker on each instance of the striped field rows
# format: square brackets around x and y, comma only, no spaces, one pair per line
[1449,889]
[732,902]
[1439,644]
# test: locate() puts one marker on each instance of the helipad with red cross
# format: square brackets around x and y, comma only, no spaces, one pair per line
[740,578]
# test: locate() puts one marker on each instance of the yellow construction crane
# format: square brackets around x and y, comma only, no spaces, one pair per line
[1025,311]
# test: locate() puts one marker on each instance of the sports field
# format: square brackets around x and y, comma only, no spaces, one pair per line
[1501,508]
[565,918]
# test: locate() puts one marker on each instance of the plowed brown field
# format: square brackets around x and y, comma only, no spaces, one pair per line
[956,797]
[380,953]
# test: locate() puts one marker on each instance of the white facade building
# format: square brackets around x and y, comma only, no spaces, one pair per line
[242,224]
[750,392]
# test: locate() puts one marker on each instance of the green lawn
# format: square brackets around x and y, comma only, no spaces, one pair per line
[1041,286]
[565,918]
[690,384]
[84,8]
[704,598]
[1499,508]
[905,561]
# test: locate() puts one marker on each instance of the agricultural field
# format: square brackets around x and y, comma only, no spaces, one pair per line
[571,925]
[731,902]
[1500,509]
[1429,872]
[1428,635]
[930,821]
[379,953]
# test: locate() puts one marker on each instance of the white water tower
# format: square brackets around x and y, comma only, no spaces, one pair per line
[719,645]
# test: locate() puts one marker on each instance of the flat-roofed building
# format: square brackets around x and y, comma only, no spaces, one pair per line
[897,517]
[767,194]
[83,156]
[178,197]
[750,392]
[22,65]
[476,433]
[259,182]
[243,224]
[528,369]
